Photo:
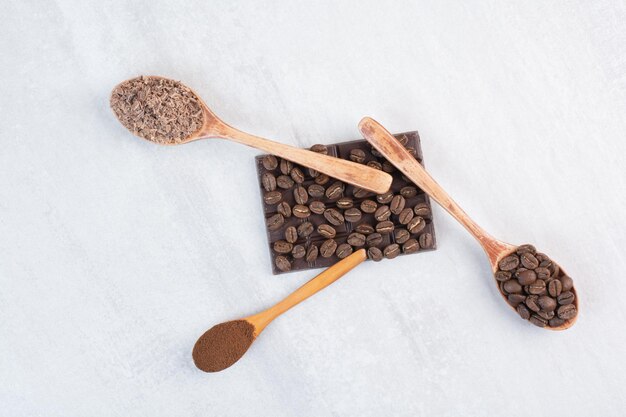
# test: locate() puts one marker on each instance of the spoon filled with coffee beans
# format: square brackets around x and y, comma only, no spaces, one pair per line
[167,112]
[530,282]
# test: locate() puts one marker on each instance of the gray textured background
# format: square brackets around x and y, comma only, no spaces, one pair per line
[116,254]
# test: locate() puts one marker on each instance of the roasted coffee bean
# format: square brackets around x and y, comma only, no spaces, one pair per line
[397,204]
[382,213]
[375,254]
[322,179]
[546,314]
[286,166]
[352,215]
[296,175]
[388,166]
[369,206]
[298,252]
[416,225]
[359,192]
[538,320]
[312,253]
[556,322]
[300,211]
[555,287]
[538,287]
[410,246]
[282,263]
[326,231]
[316,190]
[402,139]
[275,222]
[566,312]
[269,181]
[305,229]
[412,151]
[376,153]
[554,270]
[385,227]
[516,299]
[408,191]
[344,250]
[566,282]
[385,198]
[526,249]
[375,164]
[565,298]
[391,251]
[374,239]
[422,210]
[284,182]
[542,273]
[319,148]
[523,311]
[300,195]
[529,261]
[313,173]
[335,190]
[317,207]
[526,276]
[511,287]
[334,217]
[531,303]
[365,228]
[284,209]
[405,216]
[503,276]
[269,162]
[426,241]
[328,248]
[282,246]
[356,239]
[291,234]
[509,263]
[546,303]
[357,155]
[345,203]
[272,197]
[401,235]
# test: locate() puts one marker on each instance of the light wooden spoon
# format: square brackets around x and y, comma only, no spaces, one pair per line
[224,344]
[348,171]
[395,153]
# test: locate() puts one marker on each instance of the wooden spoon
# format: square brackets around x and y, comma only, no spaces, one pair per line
[395,153]
[224,344]
[348,171]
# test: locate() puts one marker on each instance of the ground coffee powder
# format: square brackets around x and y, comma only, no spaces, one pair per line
[223,345]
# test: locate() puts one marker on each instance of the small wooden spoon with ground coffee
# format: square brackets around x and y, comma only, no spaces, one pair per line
[167,112]
[224,344]
[531,283]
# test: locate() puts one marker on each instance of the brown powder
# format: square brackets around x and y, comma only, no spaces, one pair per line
[222,345]
[160,110]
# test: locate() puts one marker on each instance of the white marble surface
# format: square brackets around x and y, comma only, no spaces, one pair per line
[117,254]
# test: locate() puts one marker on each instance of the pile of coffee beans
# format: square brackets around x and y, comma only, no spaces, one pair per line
[536,287]
[314,220]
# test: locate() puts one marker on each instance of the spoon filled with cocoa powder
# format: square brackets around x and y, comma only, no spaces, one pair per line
[529,281]
[225,343]
[167,112]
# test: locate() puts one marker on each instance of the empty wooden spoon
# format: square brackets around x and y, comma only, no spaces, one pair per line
[529,291]
[167,112]
[224,344]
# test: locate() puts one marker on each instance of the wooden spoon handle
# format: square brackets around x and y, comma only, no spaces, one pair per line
[313,286]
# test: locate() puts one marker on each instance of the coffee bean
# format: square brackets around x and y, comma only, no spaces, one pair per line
[291,234]
[269,181]
[405,216]
[335,190]
[298,252]
[316,190]
[526,276]
[503,276]
[401,236]
[334,217]
[508,263]
[376,153]
[272,197]
[538,321]
[516,299]
[529,261]
[356,239]
[523,311]
[554,270]
[359,192]
[526,249]
[375,254]
[344,250]
[305,229]
[275,222]
[542,273]
[311,254]
[556,322]
[385,227]
[374,239]
[397,204]
[328,248]
[317,207]
[566,312]
[412,151]
[284,209]
[422,210]
[352,215]
[282,263]
[385,198]
[375,164]
[546,303]
[365,228]
[286,166]
[391,251]
[531,303]
[318,148]
[284,182]
[538,287]
[300,211]
[296,175]
[511,287]
[322,179]
[408,191]
[345,203]
[369,206]
[566,282]
[357,155]
[388,166]
[269,162]
[555,287]
[382,213]
[416,225]
[546,314]
[426,241]
[313,173]
[565,298]
[282,246]
[411,246]
[326,231]
[300,195]
[402,139]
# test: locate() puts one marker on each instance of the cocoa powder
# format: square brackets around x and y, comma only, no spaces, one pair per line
[223,345]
